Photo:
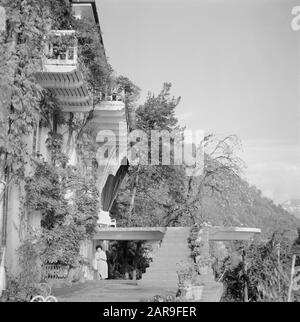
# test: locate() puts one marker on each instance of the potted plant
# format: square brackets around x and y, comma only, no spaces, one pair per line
[203,264]
[185,273]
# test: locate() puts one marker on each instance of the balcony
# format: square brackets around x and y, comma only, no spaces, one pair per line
[62,74]
[61,50]
[110,114]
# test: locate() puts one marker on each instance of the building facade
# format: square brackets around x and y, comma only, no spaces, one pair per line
[62,74]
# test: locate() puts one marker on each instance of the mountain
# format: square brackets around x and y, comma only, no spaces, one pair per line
[292,206]
[237,204]
[244,205]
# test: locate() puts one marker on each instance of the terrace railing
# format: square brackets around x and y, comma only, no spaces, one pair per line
[55,272]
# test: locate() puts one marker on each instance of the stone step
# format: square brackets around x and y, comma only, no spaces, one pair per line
[183,236]
[160,278]
[171,283]
[164,255]
[178,233]
[174,249]
[168,262]
[170,266]
[171,234]
[166,287]
[175,237]
[174,241]
[162,274]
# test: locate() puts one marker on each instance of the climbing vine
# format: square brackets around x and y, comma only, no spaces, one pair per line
[68,202]
[65,197]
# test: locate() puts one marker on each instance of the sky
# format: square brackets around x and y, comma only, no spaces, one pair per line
[236,65]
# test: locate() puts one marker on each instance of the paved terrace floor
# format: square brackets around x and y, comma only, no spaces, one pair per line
[108,291]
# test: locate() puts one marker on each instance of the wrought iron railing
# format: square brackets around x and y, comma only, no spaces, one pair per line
[55,272]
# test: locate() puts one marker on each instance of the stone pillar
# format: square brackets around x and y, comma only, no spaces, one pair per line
[2,187]
[14,233]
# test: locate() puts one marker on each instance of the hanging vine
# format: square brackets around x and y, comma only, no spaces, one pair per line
[64,195]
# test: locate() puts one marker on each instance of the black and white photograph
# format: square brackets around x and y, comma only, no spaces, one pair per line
[149,152]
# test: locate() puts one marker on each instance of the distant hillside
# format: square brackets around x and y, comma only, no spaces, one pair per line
[244,205]
[292,206]
[238,204]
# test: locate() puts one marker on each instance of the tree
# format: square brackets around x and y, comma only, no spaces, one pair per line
[158,112]
[166,190]
[124,257]
[144,181]
[262,275]
[221,171]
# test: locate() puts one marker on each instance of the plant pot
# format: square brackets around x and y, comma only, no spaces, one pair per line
[188,292]
[134,275]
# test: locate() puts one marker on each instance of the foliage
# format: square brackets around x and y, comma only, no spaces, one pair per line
[164,192]
[131,90]
[66,196]
[25,286]
[21,52]
[63,244]
[44,194]
[98,73]
[127,256]
[61,43]
[132,93]
[15,291]
[264,271]
[29,253]
[168,298]
[158,112]
[69,208]
[186,272]
[61,15]
[153,190]
[193,242]
[164,196]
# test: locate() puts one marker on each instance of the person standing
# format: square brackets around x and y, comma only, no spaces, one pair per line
[100,263]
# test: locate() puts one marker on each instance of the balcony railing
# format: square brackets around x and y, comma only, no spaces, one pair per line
[113,96]
[61,48]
